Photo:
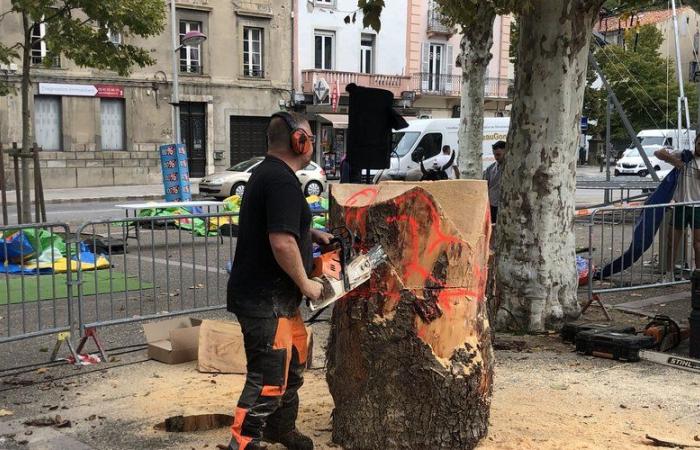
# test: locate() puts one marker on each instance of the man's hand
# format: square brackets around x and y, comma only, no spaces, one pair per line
[321,237]
[665,155]
[312,289]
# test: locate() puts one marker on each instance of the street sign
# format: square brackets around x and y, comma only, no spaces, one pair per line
[321,89]
[584,123]
[81,90]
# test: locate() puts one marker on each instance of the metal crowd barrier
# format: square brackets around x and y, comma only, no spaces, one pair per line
[167,271]
[30,304]
[618,257]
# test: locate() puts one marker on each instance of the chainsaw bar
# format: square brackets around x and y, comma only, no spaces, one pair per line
[357,272]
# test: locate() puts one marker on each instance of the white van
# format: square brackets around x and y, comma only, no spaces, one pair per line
[652,140]
[424,139]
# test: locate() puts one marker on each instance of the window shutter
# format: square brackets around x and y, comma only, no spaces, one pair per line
[425,66]
[112,115]
[448,65]
[47,122]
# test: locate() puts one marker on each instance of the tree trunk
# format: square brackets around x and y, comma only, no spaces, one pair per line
[535,249]
[26,119]
[410,363]
[474,59]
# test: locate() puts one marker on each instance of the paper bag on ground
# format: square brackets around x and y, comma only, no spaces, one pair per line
[221,348]
[173,341]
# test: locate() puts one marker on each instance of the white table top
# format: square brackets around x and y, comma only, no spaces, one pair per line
[156,205]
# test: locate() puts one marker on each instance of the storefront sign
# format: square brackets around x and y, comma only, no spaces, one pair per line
[81,90]
[335,96]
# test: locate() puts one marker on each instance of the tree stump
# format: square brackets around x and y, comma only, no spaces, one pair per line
[410,363]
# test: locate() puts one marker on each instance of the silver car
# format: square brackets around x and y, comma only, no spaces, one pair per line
[233,181]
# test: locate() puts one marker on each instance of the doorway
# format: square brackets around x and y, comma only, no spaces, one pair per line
[193,126]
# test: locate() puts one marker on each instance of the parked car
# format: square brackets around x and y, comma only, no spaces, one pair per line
[632,163]
[233,181]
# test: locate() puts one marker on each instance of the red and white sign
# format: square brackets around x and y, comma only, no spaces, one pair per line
[109,91]
[335,96]
[81,90]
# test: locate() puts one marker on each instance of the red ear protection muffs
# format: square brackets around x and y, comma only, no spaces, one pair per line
[299,139]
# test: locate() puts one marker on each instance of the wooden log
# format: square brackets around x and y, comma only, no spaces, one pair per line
[410,363]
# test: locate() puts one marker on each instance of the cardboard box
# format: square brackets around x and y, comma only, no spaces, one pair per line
[173,341]
[221,348]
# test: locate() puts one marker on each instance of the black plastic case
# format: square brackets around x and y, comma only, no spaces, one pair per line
[612,345]
[570,330]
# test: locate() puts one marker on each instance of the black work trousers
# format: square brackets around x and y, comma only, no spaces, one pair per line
[276,351]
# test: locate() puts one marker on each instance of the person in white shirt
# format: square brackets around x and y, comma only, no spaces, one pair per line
[687,190]
[447,162]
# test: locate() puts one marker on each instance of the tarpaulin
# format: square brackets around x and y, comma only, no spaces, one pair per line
[197,226]
[647,224]
[44,252]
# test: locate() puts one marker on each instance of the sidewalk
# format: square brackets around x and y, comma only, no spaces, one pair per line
[102,193]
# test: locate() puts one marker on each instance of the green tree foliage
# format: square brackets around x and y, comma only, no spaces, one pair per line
[77,29]
[644,82]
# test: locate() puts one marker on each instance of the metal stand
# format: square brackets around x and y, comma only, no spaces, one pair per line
[91,332]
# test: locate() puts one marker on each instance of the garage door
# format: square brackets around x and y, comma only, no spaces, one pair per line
[248,137]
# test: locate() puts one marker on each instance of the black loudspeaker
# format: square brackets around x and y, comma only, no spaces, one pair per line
[370,123]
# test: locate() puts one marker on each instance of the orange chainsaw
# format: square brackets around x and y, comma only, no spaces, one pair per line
[342,268]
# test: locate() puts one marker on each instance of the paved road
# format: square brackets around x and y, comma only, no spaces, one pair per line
[75,212]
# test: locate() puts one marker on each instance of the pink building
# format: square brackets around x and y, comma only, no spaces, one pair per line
[432,49]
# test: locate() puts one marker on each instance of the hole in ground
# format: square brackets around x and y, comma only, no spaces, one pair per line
[201,422]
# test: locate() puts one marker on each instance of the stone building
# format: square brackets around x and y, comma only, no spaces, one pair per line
[97,128]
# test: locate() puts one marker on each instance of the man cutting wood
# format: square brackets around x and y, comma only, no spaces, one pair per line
[269,276]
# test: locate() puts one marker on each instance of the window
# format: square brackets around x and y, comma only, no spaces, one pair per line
[39,50]
[323,50]
[402,141]
[429,146]
[114,37]
[253,52]
[190,55]
[47,122]
[112,120]
[325,2]
[367,53]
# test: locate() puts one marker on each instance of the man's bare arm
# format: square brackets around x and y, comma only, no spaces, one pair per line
[666,156]
[287,255]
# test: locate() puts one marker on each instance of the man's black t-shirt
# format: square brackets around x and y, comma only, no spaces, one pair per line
[273,202]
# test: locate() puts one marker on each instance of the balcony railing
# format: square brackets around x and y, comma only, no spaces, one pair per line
[451,86]
[436,24]
[394,83]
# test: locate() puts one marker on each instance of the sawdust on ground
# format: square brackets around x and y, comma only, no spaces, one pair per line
[544,398]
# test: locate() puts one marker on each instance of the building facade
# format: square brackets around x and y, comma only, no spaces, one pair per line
[413,56]
[96,128]
[432,50]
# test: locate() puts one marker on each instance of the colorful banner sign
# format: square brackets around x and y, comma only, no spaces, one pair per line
[82,90]
[176,174]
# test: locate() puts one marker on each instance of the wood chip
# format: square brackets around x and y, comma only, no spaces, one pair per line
[669,442]
[5,412]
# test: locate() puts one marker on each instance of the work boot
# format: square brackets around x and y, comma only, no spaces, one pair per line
[293,440]
[233,445]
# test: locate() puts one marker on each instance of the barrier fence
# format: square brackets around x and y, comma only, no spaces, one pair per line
[36,298]
[641,246]
[57,280]
[170,270]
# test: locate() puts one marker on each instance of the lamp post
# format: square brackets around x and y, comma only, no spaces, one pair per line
[192,38]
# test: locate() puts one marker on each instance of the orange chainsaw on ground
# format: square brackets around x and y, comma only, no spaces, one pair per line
[342,267]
